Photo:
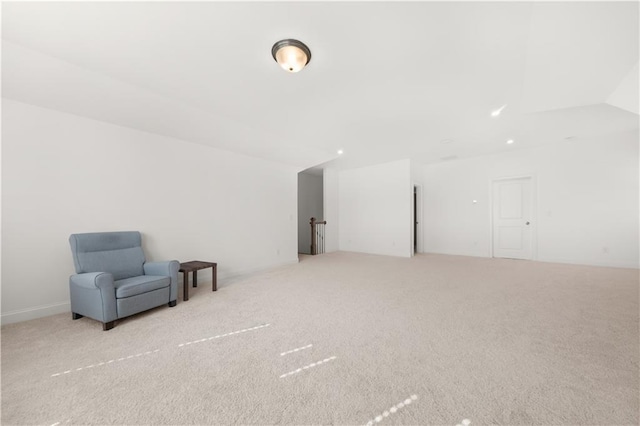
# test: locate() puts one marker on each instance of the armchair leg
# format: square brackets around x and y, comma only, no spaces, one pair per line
[75,316]
[108,325]
[173,303]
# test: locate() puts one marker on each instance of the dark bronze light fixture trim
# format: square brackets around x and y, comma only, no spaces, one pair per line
[294,43]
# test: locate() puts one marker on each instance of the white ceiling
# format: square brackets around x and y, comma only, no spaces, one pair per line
[386,80]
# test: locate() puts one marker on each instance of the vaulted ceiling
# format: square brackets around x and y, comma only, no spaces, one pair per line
[386,81]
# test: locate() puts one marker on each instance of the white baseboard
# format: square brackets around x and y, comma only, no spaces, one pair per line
[249,271]
[458,253]
[35,312]
[606,264]
[62,307]
[206,275]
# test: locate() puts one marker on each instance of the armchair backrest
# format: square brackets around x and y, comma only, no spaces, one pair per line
[119,253]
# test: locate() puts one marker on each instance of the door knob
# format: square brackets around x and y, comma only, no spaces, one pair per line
[527,223]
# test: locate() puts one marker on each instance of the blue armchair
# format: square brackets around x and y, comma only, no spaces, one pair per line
[113,279]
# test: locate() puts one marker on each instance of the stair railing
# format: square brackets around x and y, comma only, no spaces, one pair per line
[317,236]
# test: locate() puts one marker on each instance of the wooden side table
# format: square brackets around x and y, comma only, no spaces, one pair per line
[194,266]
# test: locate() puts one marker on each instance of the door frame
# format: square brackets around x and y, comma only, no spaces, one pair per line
[534,212]
[417,187]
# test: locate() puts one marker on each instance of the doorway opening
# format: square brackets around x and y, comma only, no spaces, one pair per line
[310,205]
[416,220]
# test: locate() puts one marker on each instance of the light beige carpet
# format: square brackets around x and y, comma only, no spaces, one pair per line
[430,340]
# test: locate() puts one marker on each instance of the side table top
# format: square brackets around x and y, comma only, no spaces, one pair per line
[195,265]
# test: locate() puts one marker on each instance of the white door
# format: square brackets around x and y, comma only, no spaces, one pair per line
[512,227]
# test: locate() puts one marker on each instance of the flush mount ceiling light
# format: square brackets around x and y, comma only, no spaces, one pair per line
[292,55]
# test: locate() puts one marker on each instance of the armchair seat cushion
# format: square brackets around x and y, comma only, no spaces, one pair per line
[138,285]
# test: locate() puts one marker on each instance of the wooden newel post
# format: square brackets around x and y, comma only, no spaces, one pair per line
[313,235]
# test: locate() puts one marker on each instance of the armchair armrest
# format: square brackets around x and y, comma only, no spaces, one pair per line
[93,294]
[165,269]
[93,280]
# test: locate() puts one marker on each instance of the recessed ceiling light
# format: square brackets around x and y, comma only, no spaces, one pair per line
[497,112]
[510,141]
[340,152]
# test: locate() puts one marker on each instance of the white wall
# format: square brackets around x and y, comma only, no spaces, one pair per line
[375,209]
[586,192]
[331,185]
[310,205]
[626,94]
[64,174]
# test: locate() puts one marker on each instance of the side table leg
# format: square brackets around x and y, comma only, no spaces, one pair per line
[195,278]
[214,285]
[185,294]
